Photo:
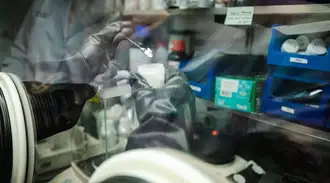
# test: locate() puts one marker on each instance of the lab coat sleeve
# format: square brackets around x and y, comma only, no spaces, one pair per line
[17,61]
[40,39]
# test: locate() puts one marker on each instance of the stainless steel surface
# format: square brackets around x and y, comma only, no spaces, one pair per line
[258,10]
[284,9]
[310,138]
[287,127]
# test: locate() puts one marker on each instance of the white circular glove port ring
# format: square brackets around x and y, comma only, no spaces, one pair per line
[30,128]
[18,128]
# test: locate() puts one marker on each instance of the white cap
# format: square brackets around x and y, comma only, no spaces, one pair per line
[116,91]
[154,73]
[290,46]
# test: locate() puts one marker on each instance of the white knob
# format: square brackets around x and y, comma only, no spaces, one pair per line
[239,178]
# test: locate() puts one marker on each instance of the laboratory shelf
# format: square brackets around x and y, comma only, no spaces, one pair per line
[258,10]
[284,9]
[273,122]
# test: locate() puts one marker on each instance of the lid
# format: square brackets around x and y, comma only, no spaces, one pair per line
[178,45]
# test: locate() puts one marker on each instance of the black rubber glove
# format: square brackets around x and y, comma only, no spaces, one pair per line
[58,107]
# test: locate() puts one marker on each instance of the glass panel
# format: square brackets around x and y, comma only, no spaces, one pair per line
[108,77]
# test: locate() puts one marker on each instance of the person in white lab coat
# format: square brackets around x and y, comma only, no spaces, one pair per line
[63,41]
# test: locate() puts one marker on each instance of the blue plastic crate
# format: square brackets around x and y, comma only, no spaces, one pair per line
[203,90]
[228,64]
[296,112]
[276,57]
[309,115]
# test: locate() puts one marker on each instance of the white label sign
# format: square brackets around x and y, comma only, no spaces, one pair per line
[287,109]
[195,88]
[299,60]
[239,16]
[229,85]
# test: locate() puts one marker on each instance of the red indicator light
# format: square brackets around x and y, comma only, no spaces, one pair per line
[215,132]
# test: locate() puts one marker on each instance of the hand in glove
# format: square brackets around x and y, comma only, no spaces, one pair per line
[97,50]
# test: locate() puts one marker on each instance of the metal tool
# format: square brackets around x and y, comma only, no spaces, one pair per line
[146,51]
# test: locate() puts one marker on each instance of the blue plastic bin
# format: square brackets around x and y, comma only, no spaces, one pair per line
[302,68]
[308,115]
[276,57]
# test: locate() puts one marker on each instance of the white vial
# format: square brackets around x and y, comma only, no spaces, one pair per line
[290,46]
[220,4]
[204,3]
[316,48]
[174,3]
[184,4]
[130,5]
[154,73]
[109,134]
[125,127]
[145,4]
[159,4]
[303,42]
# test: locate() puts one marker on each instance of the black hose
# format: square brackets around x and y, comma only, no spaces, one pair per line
[58,108]
[47,110]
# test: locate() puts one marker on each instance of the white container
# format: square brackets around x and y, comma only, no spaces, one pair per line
[175,3]
[145,4]
[290,46]
[154,73]
[159,4]
[184,4]
[316,48]
[161,54]
[131,5]
[219,4]
[204,3]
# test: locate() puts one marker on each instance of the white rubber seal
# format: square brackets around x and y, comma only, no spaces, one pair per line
[17,126]
[30,128]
